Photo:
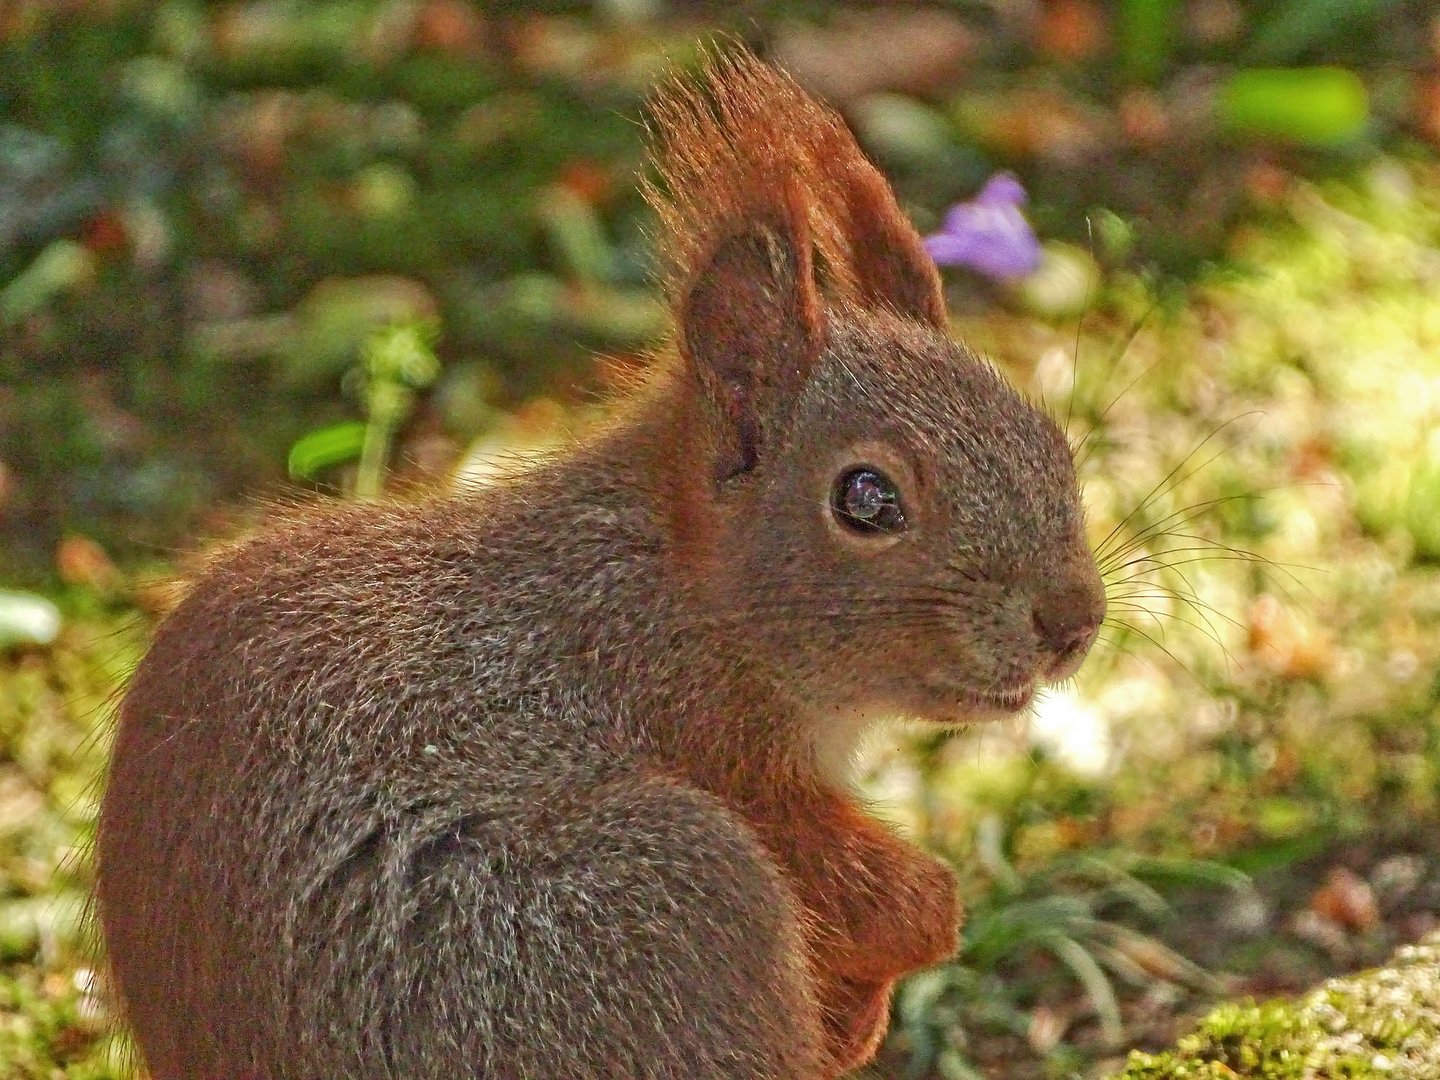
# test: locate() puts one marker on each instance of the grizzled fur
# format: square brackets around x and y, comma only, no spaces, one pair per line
[546,779]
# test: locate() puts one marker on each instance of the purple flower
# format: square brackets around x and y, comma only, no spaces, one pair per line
[989,234]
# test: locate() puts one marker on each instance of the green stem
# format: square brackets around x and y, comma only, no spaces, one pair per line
[374,451]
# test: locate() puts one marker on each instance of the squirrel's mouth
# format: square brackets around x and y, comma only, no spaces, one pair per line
[1003,699]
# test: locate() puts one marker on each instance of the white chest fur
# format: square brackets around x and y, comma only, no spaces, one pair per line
[840,736]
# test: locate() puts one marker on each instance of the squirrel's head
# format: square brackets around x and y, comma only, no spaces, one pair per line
[899,530]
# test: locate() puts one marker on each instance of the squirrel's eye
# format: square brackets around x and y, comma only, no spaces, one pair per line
[866,501]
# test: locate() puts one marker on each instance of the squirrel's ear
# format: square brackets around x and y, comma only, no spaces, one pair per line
[892,267]
[751,327]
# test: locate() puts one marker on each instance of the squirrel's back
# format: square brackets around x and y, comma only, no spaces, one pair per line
[345,710]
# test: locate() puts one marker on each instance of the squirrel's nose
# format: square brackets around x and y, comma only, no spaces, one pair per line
[1067,619]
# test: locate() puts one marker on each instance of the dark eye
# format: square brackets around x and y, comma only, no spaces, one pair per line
[866,501]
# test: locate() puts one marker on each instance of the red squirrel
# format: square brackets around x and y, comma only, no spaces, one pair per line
[546,778]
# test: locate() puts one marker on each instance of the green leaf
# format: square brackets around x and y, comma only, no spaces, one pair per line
[322,449]
[1319,105]
[1186,871]
[1097,984]
[952,1066]
[1278,854]
[57,269]
[577,235]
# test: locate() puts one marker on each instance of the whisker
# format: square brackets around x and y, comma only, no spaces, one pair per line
[1115,645]
[1189,598]
[1202,611]
[1168,482]
[1159,565]
[1157,562]
[1206,628]
[1116,354]
[1163,526]
[1263,561]
[1163,648]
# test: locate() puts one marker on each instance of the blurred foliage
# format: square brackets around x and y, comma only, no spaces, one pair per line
[210,203]
[241,237]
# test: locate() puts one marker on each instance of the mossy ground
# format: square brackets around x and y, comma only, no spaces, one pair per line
[54,726]
[1378,1025]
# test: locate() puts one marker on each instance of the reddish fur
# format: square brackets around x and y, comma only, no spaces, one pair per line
[878,909]
[747,140]
[742,145]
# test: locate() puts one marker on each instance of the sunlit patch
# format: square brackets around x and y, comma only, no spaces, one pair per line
[1078,735]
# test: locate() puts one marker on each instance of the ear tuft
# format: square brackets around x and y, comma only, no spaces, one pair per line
[758,184]
[892,266]
[743,138]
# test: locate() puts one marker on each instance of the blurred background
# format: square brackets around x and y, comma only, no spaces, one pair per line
[339,246]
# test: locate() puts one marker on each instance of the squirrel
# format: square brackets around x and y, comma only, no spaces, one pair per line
[548,777]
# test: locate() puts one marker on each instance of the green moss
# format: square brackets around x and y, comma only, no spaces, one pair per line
[1381,1023]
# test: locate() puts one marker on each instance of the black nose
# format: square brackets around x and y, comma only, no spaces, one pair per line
[1068,617]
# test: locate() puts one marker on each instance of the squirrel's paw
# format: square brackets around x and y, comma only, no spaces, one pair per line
[934,925]
[857,1015]
[912,925]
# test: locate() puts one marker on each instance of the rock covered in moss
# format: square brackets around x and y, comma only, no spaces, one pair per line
[1378,1024]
